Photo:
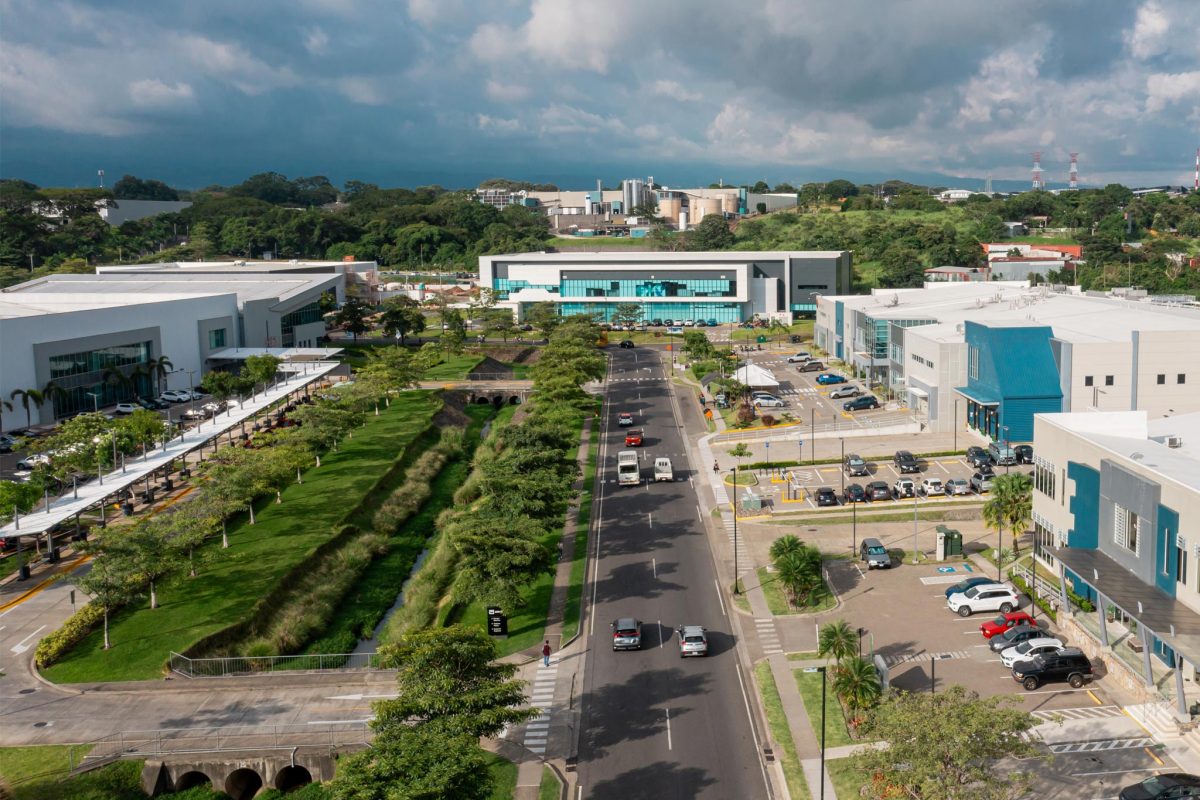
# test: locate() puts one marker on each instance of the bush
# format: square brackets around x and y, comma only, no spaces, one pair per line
[745,414]
[1041,602]
[55,645]
[768,420]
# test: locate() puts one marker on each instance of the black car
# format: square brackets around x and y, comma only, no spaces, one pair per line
[1024,453]
[860,403]
[1068,664]
[811,366]
[905,461]
[150,404]
[795,339]
[855,494]
[1014,636]
[878,490]
[657,323]
[627,344]
[826,496]
[856,466]
[977,457]
[1161,787]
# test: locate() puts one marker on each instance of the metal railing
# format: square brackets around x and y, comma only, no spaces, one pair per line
[257,665]
[242,738]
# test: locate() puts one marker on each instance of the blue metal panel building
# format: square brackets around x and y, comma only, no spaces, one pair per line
[1011,375]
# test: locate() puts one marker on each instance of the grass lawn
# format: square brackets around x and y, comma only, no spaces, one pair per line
[42,773]
[504,777]
[259,555]
[809,655]
[579,561]
[836,732]
[777,600]
[845,776]
[592,242]
[744,478]
[454,368]
[19,764]
[836,519]
[8,565]
[781,735]
[550,788]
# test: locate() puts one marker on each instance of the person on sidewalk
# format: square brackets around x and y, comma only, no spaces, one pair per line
[546,653]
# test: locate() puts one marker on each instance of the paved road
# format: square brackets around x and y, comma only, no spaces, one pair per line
[654,725]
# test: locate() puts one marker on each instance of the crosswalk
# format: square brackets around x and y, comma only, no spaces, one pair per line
[730,527]
[1100,746]
[1086,712]
[768,635]
[804,391]
[904,658]
[537,730]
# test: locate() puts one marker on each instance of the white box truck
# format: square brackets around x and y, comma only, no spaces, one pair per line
[628,472]
[662,470]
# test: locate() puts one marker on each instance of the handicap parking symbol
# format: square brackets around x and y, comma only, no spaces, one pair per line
[945,569]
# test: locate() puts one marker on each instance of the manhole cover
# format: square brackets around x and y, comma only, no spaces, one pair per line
[40,724]
[27,691]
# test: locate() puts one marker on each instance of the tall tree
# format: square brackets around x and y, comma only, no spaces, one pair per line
[1009,504]
[498,556]
[401,316]
[353,317]
[150,552]
[857,683]
[109,581]
[837,639]
[627,314]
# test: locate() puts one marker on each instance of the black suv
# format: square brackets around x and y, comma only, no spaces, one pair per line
[826,496]
[978,457]
[1024,453]
[1068,664]
[906,462]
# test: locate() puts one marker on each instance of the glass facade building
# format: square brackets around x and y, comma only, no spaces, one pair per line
[721,312]
[93,379]
[301,316]
[687,287]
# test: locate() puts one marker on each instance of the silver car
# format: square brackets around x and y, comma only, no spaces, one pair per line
[958,486]
[693,641]
[627,634]
[849,390]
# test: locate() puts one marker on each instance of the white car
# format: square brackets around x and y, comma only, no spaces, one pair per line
[125,408]
[176,395]
[1029,649]
[32,460]
[689,323]
[767,401]
[799,358]
[987,597]
[932,486]
[849,390]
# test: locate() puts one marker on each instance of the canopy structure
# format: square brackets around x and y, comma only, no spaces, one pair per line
[756,377]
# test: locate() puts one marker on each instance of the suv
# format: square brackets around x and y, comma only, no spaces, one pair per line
[627,344]
[905,461]
[875,554]
[978,457]
[1024,453]
[904,488]
[625,419]
[860,403]
[830,378]
[849,390]
[693,641]
[826,496]
[767,401]
[1002,454]
[994,597]
[1068,664]
[1004,622]
[878,490]
[856,466]
[982,481]
[627,634]
[931,487]
[811,366]
[799,358]
[855,494]
[1030,648]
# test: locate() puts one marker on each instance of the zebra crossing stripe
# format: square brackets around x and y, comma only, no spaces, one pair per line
[1106,744]
[1086,712]
[908,657]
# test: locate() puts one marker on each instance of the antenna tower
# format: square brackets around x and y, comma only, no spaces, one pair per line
[1196,183]
[1074,179]
[1037,170]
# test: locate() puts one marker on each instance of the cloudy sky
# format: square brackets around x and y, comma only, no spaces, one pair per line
[452,91]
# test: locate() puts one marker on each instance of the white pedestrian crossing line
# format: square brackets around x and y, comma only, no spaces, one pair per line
[1106,744]
[542,691]
[904,658]
[1086,712]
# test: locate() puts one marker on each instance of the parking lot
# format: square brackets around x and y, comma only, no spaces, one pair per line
[802,393]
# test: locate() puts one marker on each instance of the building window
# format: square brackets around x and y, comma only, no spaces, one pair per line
[1180,378]
[1181,564]
[973,363]
[216,339]
[1108,380]
[1162,379]
[1088,381]
[1043,477]
[1125,529]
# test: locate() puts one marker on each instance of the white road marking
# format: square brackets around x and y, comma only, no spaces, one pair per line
[720,599]
[668,711]
[360,696]
[654,566]
[1117,771]
[650,519]
[338,721]
[21,647]
[660,636]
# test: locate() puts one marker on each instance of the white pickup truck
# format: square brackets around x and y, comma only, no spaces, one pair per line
[628,471]
[663,470]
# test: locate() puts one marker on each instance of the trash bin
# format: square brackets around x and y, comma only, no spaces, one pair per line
[23,572]
[52,556]
[127,508]
[949,541]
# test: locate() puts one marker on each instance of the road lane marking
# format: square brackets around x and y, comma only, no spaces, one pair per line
[668,728]
[338,721]
[654,566]
[361,696]
[720,598]
[660,636]
[21,647]
[650,518]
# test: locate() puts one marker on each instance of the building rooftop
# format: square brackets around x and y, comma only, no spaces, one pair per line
[238,267]
[734,256]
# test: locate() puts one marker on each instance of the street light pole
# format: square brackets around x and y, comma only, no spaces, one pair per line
[735,538]
[842,470]
[956,423]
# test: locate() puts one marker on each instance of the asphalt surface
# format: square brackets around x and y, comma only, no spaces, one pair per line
[655,725]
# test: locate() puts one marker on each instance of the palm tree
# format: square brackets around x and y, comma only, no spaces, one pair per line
[1011,503]
[158,369]
[857,684]
[28,397]
[4,406]
[52,391]
[838,640]
[785,545]
[791,573]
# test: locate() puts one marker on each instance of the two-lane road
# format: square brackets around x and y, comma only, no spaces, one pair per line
[655,725]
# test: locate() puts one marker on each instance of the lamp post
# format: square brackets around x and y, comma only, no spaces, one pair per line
[95,401]
[956,423]
[854,529]
[861,631]
[824,682]
[812,426]
[842,470]
[99,468]
[736,589]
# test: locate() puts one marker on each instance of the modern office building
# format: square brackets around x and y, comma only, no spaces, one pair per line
[727,286]
[92,338]
[990,355]
[1116,505]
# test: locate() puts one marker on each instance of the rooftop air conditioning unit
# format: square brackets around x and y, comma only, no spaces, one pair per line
[1174,441]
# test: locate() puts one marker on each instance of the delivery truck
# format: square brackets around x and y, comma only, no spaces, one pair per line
[628,472]
[662,470]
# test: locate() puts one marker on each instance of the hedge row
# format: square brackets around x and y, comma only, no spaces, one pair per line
[55,645]
[825,462]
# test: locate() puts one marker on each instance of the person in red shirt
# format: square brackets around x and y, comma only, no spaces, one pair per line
[546,653]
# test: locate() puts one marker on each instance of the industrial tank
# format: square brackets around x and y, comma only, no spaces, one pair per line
[703,206]
[668,208]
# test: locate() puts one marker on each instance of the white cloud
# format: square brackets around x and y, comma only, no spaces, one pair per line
[361,90]
[1163,89]
[490,124]
[430,13]
[153,93]
[1149,36]
[43,90]
[675,91]
[230,62]
[506,92]
[316,42]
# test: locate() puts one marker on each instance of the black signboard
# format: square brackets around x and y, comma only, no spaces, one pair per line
[497,622]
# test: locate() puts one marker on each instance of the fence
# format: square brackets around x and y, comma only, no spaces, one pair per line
[177,741]
[256,665]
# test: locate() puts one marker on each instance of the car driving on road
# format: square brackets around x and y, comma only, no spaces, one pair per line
[624,419]
[627,633]
[693,641]
[633,437]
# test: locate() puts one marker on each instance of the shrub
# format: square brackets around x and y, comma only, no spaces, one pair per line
[745,414]
[768,420]
[54,646]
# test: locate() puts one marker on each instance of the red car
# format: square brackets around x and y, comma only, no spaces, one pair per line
[1003,622]
[633,437]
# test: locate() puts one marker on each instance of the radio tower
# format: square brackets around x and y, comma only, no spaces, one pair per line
[1073,181]
[1037,170]
[1196,183]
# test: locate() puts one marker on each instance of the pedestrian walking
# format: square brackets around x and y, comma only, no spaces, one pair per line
[546,653]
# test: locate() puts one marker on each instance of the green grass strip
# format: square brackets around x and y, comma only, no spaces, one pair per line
[836,731]
[582,526]
[259,556]
[453,368]
[781,734]
[504,777]
[777,601]
[549,788]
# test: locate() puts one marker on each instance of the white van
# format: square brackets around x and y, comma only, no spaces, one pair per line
[628,471]
[662,470]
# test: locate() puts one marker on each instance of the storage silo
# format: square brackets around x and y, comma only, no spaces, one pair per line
[704,206]
[683,220]
[729,202]
[669,207]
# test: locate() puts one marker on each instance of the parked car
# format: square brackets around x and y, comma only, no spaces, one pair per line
[1014,636]
[150,404]
[657,323]
[670,323]
[905,462]
[958,486]
[795,338]
[863,403]
[849,390]
[213,407]
[1024,453]
[875,554]
[712,323]
[627,634]
[1001,454]
[7,443]
[32,461]
[799,358]
[855,494]
[121,409]
[768,401]
[1068,664]
[829,378]
[962,586]
[856,466]
[689,323]
[633,437]
[982,482]
[826,496]
[627,344]
[977,457]
[624,419]
[811,366]
[932,487]
[693,641]
[176,396]
[701,323]
[997,597]
[1164,786]
[904,487]
[1004,622]
[1030,648]
[878,490]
